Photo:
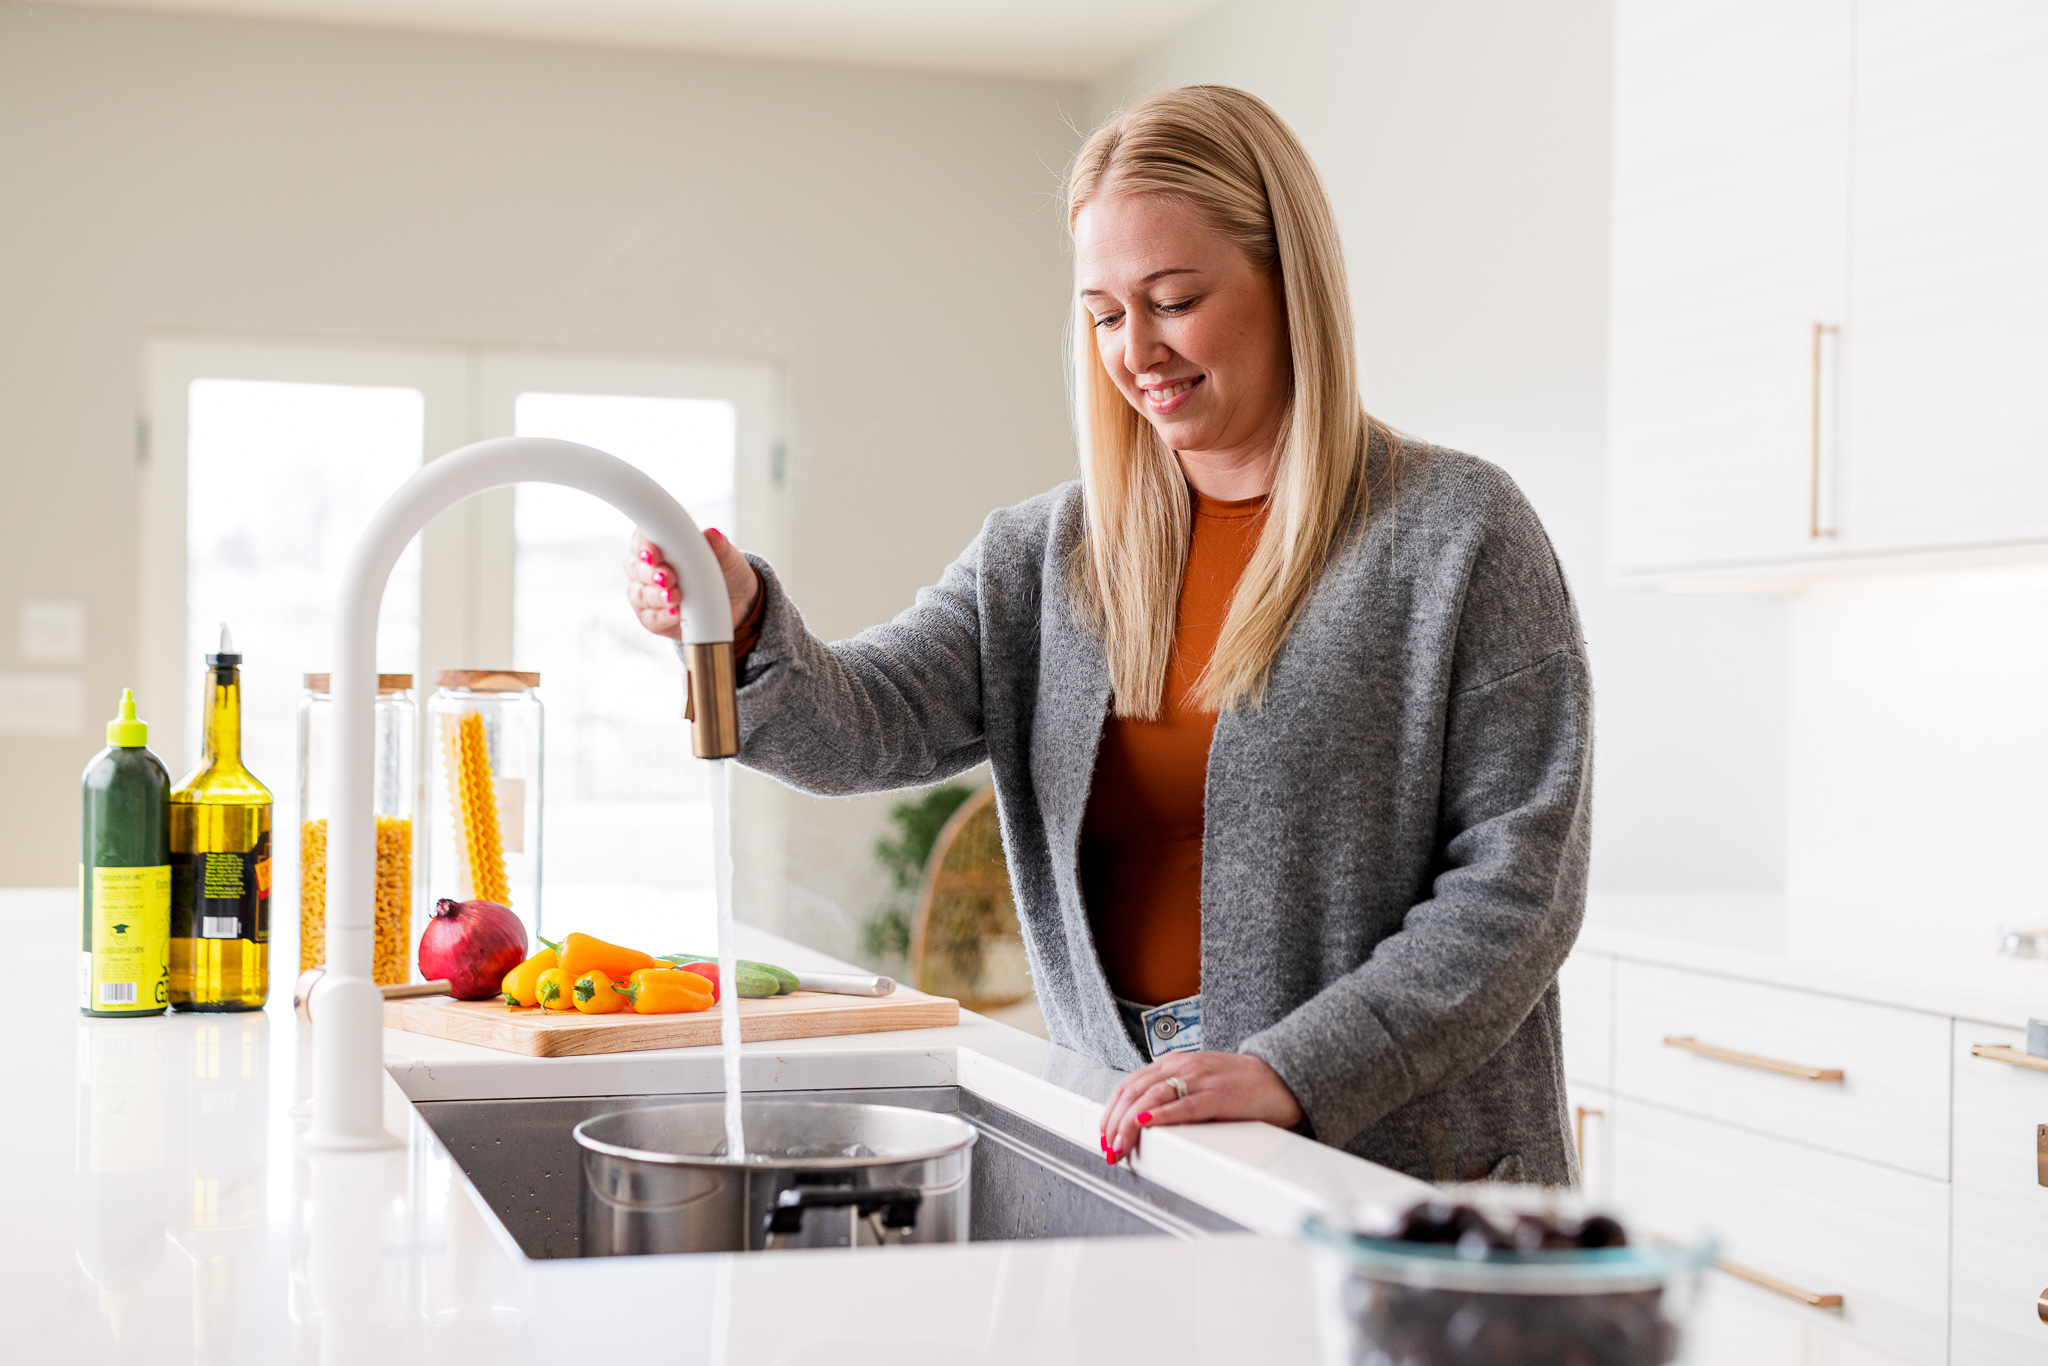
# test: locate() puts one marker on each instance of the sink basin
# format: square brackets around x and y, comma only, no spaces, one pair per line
[1027,1182]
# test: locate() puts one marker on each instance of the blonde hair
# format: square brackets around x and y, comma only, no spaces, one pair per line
[1230,158]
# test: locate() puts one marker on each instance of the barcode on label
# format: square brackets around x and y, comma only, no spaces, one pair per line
[219,927]
[117,993]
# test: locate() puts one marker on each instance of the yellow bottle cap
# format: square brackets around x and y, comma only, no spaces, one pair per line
[124,730]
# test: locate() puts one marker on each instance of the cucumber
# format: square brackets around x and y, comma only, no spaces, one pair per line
[756,980]
[785,979]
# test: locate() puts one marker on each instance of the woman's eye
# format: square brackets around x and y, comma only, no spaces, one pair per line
[1108,320]
[1183,306]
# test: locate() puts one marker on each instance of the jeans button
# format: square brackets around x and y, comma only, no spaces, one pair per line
[1166,1026]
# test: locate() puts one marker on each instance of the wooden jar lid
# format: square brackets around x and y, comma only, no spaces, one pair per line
[486,680]
[385,682]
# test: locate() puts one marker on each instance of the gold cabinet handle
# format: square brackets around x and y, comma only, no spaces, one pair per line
[1783,1069]
[1778,1287]
[2041,1306]
[1999,1052]
[1579,1114]
[1814,530]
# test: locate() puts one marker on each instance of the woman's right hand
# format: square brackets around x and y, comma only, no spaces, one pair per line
[655,591]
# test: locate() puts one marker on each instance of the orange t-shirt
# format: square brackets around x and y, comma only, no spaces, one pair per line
[1141,839]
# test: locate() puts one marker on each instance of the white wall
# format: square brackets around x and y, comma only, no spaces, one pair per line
[1465,143]
[885,238]
[1919,763]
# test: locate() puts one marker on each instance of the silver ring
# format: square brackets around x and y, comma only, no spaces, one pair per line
[1180,1088]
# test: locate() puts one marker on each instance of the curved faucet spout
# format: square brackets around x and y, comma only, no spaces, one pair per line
[348,1071]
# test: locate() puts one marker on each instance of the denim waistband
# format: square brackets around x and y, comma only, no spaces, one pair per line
[1175,1027]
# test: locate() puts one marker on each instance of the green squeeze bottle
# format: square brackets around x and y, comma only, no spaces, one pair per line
[124,876]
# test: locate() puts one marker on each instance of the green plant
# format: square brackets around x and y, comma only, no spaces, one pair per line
[918,822]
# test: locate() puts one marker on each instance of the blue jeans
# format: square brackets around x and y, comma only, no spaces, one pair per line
[1175,1027]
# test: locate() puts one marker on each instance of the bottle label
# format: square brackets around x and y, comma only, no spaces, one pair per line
[126,963]
[228,893]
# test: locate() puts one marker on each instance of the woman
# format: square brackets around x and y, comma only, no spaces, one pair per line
[1289,721]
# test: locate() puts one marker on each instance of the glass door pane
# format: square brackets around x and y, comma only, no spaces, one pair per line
[626,831]
[281,479]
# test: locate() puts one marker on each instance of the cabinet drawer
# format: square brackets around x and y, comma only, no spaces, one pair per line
[1585,986]
[1829,1224]
[1890,1105]
[2001,1208]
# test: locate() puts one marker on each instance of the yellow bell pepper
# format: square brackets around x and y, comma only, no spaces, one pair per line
[552,990]
[595,994]
[522,984]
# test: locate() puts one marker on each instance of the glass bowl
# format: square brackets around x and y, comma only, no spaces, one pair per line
[1389,1302]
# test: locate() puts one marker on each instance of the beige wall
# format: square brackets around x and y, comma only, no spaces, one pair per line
[886,239]
[1465,146]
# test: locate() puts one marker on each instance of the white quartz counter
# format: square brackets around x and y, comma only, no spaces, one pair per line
[1984,988]
[163,1211]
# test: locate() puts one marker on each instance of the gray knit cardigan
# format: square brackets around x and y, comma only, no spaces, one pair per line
[1395,840]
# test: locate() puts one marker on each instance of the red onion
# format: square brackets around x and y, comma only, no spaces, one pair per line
[473,944]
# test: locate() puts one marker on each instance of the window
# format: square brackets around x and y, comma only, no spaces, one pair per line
[627,831]
[281,479]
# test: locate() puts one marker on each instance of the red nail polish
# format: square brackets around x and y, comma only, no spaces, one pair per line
[1145,1117]
[671,611]
[647,557]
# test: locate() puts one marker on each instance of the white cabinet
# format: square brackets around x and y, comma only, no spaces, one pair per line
[2001,1207]
[1829,284]
[1909,1188]
[1729,217]
[1947,436]
[1816,1222]
[1585,988]
[1705,1044]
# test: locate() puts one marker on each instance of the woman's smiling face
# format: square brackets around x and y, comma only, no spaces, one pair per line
[1190,330]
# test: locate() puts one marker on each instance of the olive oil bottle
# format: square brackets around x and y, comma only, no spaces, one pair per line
[124,875]
[220,860]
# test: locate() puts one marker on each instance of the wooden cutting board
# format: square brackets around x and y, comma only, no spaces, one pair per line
[563,1034]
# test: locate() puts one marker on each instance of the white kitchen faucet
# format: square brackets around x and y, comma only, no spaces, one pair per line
[348,1054]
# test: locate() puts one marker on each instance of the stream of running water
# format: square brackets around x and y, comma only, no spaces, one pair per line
[728,957]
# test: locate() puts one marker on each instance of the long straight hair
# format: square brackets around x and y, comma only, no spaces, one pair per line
[1230,158]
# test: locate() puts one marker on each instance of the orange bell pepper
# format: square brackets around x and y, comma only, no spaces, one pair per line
[552,990]
[595,994]
[523,982]
[667,991]
[582,953]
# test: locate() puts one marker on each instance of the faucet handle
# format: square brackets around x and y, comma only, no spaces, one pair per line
[715,726]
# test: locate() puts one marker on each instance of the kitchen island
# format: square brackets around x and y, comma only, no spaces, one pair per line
[164,1209]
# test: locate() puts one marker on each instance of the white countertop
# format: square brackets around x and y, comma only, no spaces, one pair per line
[1985,988]
[162,1210]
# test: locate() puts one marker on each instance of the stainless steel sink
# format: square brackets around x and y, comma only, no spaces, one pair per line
[1027,1182]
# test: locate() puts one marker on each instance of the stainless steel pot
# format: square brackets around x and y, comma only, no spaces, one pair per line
[819,1174]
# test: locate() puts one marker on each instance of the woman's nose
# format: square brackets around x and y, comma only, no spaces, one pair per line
[1144,349]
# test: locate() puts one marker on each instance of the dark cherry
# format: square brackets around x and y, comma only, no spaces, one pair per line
[1601,1231]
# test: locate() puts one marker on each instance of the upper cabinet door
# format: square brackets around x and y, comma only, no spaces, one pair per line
[1730,223]
[1948,336]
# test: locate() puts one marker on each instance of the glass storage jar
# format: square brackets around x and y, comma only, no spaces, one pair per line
[395,787]
[484,790]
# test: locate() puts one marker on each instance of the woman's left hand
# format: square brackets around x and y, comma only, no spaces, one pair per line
[1220,1086]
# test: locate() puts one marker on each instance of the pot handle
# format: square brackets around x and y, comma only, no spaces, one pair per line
[897,1207]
